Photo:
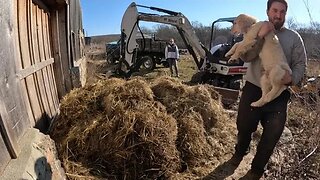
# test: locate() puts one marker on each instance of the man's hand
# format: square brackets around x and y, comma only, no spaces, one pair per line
[265,29]
[287,79]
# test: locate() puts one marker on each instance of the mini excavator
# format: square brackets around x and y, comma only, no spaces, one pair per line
[212,65]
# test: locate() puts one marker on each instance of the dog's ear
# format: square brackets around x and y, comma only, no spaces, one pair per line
[246,21]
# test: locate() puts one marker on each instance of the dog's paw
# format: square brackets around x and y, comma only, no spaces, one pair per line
[228,54]
[257,104]
[233,59]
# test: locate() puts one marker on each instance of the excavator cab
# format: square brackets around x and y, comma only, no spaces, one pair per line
[225,76]
[221,43]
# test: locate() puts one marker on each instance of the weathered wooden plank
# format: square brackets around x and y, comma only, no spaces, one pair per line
[21,41]
[14,120]
[63,23]
[48,55]
[42,74]
[59,79]
[33,54]
[10,137]
[61,66]
[43,58]
[76,26]
[54,87]
[34,68]
[46,42]
[4,153]
[36,59]
[33,92]
[40,34]
[48,32]
[20,110]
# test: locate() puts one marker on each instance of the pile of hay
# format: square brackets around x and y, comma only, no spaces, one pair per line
[119,129]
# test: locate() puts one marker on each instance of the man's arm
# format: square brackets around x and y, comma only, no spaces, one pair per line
[177,50]
[266,27]
[298,61]
[166,52]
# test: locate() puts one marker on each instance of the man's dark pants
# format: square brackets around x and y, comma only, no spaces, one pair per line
[173,64]
[272,117]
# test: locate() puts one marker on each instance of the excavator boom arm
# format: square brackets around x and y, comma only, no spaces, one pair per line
[129,30]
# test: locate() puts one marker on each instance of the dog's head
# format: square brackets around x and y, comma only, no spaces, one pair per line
[242,23]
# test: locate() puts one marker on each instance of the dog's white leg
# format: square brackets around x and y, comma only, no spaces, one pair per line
[265,88]
[243,48]
[232,50]
[276,74]
[274,77]
[275,92]
[265,84]
[237,53]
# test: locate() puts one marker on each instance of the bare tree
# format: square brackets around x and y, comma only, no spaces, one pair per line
[291,23]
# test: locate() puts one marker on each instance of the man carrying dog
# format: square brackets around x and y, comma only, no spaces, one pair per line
[273,115]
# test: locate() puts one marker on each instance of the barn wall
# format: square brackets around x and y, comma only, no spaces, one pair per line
[36,62]
[76,29]
[14,119]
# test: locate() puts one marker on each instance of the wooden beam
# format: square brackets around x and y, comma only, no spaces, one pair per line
[56,49]
[63,25]
[34,68]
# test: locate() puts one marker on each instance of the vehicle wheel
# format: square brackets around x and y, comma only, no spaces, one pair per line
[148,63]
[199,77]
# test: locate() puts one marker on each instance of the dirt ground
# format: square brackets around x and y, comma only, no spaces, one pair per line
[297,154]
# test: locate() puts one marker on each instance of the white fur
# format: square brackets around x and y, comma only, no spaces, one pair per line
[273,59]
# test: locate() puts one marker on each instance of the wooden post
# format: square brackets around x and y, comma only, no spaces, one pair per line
[60,51]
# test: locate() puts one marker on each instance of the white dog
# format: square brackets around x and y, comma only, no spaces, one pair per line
[273,59]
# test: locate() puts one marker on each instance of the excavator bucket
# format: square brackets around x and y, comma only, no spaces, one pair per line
[229,96]
[129,31]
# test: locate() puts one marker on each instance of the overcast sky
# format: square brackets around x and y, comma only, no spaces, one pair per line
[102,17]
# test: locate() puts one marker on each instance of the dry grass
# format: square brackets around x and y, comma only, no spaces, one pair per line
[313,67]
[134,129]
[186,66]
[301,155]
[154,126]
